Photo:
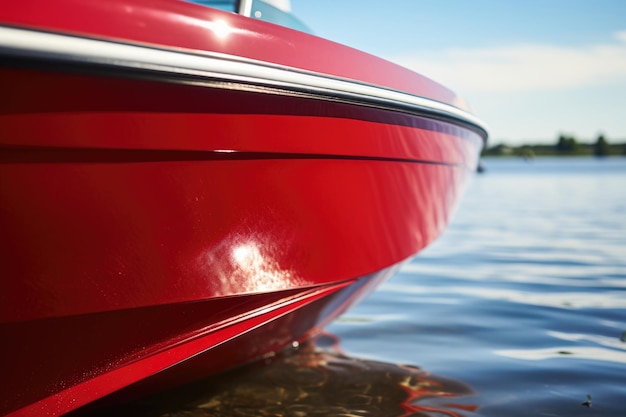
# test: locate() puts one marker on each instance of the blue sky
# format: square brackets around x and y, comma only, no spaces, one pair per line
[531,69]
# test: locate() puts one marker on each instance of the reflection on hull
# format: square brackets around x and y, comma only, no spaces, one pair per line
[312,380]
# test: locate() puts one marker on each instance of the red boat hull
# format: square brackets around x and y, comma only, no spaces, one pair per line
[157,229]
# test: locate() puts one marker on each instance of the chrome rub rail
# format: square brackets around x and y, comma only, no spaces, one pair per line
[25,43]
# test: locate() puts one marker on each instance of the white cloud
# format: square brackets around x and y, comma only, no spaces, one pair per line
[621,35]
[524,67]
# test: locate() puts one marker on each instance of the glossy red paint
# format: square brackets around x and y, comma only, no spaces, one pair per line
[155,231]
[181,24]
[110,346]
[110,161]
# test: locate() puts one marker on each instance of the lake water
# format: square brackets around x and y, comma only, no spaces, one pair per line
[523,298]
[519,309]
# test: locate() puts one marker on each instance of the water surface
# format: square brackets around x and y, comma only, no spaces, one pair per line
[523,298]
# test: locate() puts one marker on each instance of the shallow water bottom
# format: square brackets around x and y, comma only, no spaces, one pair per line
[318,379]
[314,379]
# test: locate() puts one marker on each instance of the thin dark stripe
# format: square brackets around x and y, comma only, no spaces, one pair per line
[34,155]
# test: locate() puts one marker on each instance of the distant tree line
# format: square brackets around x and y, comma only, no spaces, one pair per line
[566,145]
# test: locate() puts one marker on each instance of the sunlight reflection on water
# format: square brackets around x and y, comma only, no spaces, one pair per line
[523,298]
[566,352]
[569,300]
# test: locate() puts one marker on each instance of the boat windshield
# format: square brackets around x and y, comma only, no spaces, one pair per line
[227,5]
[274,11]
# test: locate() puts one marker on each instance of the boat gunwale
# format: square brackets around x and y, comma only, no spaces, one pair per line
[221,71]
